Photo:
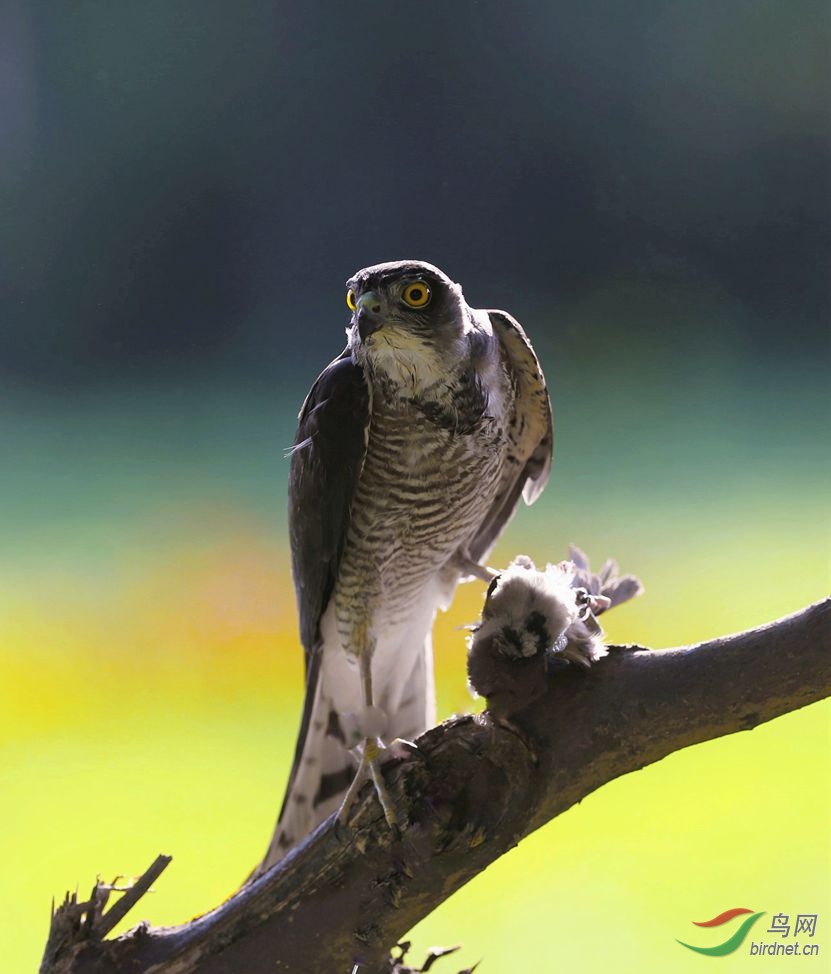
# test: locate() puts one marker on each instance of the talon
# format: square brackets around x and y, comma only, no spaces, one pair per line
[381,789]
[342,831]
[352,793]
[374,721]
[370,766]
[400,749]
[467,566]
[482,572]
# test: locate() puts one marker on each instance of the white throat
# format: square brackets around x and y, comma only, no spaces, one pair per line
[411,365]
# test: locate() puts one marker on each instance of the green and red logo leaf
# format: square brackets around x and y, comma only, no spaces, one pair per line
[733,942]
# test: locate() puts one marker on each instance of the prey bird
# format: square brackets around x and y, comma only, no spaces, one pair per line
[413,449]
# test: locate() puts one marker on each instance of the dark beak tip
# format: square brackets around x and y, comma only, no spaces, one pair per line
[367,325]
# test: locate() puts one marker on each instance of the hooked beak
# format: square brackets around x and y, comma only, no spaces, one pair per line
[368,314]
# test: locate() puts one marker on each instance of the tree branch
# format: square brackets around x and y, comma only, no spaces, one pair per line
[479,786]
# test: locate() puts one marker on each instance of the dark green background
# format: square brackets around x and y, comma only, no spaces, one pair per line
[186,186]
[184,189]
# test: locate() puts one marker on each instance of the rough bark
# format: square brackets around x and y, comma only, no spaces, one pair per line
[479,786]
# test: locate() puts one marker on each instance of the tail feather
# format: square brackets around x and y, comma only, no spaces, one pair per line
[324,766]
[322,772]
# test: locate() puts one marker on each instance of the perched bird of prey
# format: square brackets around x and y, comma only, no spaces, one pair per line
[412,451]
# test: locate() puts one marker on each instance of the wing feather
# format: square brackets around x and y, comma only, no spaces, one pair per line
[326,463]
[531,433]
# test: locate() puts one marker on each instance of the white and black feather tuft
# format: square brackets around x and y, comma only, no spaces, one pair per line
[528,611]
[533,617]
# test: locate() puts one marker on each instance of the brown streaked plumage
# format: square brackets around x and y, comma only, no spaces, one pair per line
[412,451]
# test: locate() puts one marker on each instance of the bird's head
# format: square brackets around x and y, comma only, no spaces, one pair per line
[527,611]
[408,320]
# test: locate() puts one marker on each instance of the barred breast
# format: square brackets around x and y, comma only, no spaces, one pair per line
[422,494]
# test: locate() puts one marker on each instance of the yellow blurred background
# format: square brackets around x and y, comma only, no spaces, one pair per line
[184,188]
[152,681]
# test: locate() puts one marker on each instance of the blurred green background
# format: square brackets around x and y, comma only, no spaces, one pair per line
[183,190]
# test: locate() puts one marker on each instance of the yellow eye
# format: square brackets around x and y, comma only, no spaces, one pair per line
[417,294]
[350,300]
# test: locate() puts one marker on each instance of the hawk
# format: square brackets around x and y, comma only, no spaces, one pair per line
[413,448]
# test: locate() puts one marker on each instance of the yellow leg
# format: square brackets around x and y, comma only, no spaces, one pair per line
[370,765]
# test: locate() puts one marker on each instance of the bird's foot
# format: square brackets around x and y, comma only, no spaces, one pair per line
[362,725]
[370,767]
[472,569]
[400,749]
